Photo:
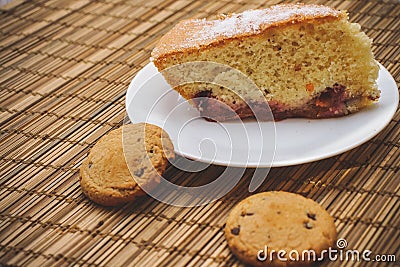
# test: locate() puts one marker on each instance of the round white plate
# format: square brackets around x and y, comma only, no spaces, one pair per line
[250,144]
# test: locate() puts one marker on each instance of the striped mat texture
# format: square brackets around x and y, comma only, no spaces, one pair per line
[65,66]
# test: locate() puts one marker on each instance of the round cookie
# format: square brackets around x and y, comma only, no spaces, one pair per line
[274,221]
[130,155]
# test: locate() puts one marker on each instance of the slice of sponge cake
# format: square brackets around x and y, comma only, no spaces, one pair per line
[307,60]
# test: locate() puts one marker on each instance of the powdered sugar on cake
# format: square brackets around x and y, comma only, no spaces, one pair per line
[251,21]
[247,23]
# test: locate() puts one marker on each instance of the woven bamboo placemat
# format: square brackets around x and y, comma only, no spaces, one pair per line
[64,70]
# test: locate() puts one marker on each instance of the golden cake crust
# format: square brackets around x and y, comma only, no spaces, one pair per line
[196,34]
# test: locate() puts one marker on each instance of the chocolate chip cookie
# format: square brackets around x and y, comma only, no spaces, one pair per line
[124,162]
[278,228]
